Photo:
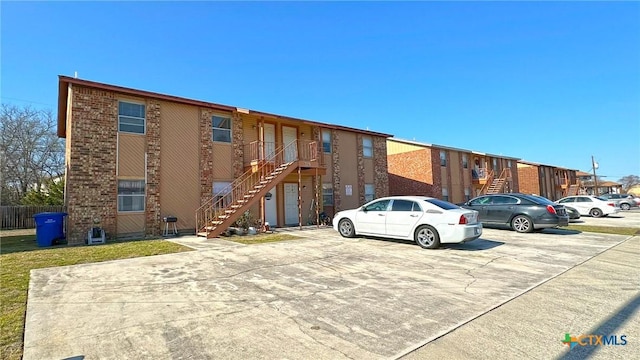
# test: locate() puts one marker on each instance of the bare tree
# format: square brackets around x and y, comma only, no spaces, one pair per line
[30,151]
[629,181]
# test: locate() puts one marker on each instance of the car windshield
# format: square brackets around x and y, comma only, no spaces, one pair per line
[442,204]
[600,198]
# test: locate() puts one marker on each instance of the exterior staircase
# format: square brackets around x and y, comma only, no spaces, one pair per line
[497,185]
[220,212]
[574,189]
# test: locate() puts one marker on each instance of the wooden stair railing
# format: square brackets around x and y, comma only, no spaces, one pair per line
[486,186]
[497,185]
[218,214]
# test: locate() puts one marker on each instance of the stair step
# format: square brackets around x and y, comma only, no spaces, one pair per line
[202,234]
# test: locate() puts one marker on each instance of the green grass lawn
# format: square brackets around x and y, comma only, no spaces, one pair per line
[261,238]
[19,254]
[603,229]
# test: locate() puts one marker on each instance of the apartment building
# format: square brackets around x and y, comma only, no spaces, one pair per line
[451,174]
[549,181]
[135,157]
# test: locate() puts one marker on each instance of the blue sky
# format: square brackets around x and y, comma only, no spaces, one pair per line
[548,82]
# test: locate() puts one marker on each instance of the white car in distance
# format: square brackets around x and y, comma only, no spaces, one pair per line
[427,221]
[590,205]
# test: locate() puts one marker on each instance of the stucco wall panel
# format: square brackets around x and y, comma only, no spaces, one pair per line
[131,150]
[179,175]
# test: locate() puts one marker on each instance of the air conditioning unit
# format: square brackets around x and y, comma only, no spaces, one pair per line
[96,236]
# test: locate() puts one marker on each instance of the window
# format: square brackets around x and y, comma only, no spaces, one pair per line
[326,141]
[367,147]
[378,206]
[481,201]
[443,158]
[130,195]
[442,204]
[130,117]
[465,161]
[583,199]
[222,190]
[221,128]
[567,200]
[509,163]
[402,205]
[495,164]
[369,192]
[445,194]
[327,194]
[467,194]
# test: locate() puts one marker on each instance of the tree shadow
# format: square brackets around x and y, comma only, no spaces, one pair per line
[606,328]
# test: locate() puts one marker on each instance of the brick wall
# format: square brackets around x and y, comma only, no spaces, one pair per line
[206,157]
[528,180]
[380,167]
[152,189]
[411,173]
[335,174]
[360,168]
[92,187]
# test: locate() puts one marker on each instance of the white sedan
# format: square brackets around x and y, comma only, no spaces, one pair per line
[427,221]
[590,205]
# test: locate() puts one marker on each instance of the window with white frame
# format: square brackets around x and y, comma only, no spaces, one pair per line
[222,190]
[327,194]
[367,147]
[495,164]
[131,117]
[467,194]
[369,192]
[443,158]
[130,195]
[509,163]
[326,141]
[445,194]
[221,128]
[465,161]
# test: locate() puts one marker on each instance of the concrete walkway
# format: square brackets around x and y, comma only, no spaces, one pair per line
[600,297]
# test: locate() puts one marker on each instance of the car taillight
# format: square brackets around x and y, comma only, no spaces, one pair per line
[551,209]
[612,204]
[463,220]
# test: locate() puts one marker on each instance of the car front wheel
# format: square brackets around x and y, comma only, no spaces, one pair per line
[345,227]
[625,206]
[595,212]
[427,237]
[522,224]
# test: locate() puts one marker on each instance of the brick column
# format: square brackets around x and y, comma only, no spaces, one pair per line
[380,173]
[360,168]
[152,209]
[92,187]
[335,163]
[238,145]
[206,155]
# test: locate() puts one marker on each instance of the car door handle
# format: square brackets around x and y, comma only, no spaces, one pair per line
[380,214]
[413,215]
[510,207]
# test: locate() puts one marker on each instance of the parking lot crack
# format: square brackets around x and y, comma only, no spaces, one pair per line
[469,273]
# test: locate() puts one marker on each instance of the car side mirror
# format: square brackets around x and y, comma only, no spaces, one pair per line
[363,209]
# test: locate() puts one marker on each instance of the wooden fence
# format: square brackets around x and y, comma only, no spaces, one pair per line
[21,217]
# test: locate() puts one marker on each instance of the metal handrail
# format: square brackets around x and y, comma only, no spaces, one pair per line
[238,192]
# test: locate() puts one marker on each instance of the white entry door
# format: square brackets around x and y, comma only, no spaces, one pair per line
[269,141]
[289,135]
[271,208]
[291,204]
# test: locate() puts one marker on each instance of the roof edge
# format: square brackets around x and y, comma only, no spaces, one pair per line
[64,81]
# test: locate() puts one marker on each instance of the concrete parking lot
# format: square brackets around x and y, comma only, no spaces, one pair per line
[319,297]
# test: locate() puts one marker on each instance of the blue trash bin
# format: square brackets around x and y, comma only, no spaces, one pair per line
[49,227]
